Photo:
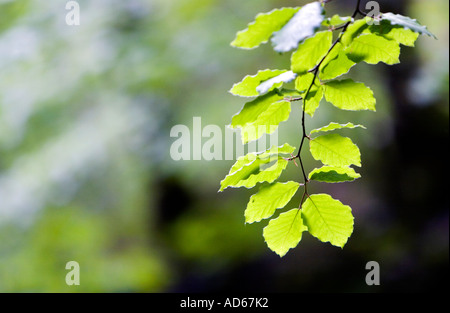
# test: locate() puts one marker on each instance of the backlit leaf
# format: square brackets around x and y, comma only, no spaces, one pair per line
[407,22]
[263,27]
[267,122]
[349,95]
[269,198]
[310,52]
[284,232]
[255,168]
[248,86]
[328,219]
[333,174]
[334,126]
[335,150]
[372,49]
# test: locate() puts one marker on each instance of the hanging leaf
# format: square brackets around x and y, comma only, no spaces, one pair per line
[269,198]
[407,22]
[335,126]
[310,52]
[333,174]
[249,85]
[284,232]
[328,219]
[349,95]
[255,168]
[263,27]
[335,150]
[372,49]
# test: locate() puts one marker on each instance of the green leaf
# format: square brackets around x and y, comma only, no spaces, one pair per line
[254,168]
[336,64]
[269,198]
[284,232]
[401,35]
[328,219]
[248,86]
[253,109]
[336,20]
[267,122]
[335,150]
[275,82]
[372,49]
[263,27]
[349,95]
[313,99]
[407,22]
[333,174]
[302,25]
[354,30]
[302,82]
[310,52]
[334,126]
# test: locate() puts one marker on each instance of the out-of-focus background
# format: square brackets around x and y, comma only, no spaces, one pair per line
[86,174]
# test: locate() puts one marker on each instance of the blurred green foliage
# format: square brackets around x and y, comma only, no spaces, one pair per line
[85,170]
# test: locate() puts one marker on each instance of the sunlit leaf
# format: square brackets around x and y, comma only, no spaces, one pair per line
[333,174]
[334,126]
[401,35]
[328,219]
[269,198]
[267,122]
[336,64]
[335,150]
[349,95]
[263,27]
[255,168]
[248,86]
[284,232]
[407,22]
[336,20]
[253,109]
[310,52]
[372,49]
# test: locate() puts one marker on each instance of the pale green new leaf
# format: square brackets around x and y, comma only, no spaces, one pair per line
[328,219]
[349,95]
[354,30]
[255,168]
[333,174]
[253,109]
[302,82]
[284,232]
[407,22]
[310,52]
[401,35]
[267,122]
[335,150]
[334,126]
[373,49]
[302,25]
[335,64]
[313,99]
[263,27]
[248,86]
[336,20]
[269,198]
